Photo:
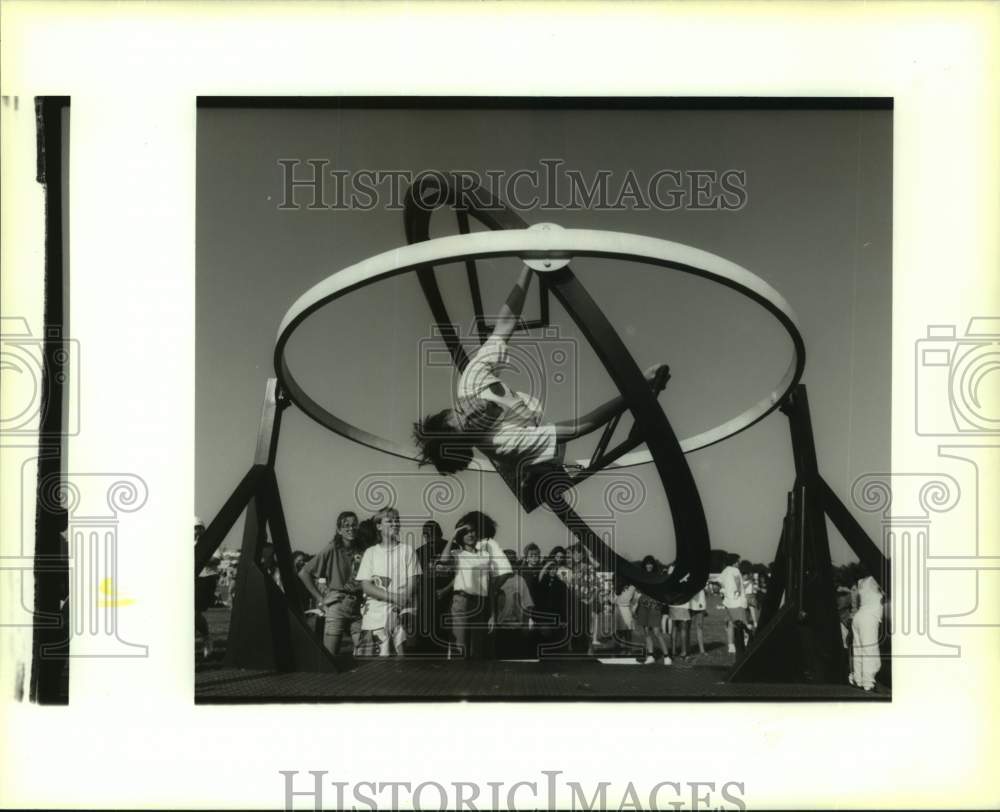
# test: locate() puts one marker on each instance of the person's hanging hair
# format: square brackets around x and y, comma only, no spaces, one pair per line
[442,444]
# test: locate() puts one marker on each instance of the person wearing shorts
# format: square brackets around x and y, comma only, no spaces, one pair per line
[699,608]
[337,565]
[680,615]
[388,576]
[734,601]
[866,659]
[647,615]
[623,603]
[750,590]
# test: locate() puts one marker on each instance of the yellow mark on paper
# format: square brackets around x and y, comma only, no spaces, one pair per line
[107,587]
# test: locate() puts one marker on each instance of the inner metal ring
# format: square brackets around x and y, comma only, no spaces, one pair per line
[536,244]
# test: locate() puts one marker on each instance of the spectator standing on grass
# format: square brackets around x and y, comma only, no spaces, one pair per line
[553,597]
[581,579]
[680,616]
[667,621]
[548,595]
[388,577]
[735,603]
[226,578]
[845,611]
[434,596]
[605,625]
[699,608]
[204,595]
[514,623]
[750,590]
[648,614]
[337,566]
[623,604]
[481,567]
[867,659]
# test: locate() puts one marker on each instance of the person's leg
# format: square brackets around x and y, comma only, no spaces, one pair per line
[664,645]
[867,659]
[442,630]
[201,626]
[850,648]
[459,624]
[383,636]
[489,640]
[857,656]
[876,646]
[400,639]
[740,617]
[585,632]
[700,632]
[626,632]
[395,632]
[333,628]
[682,634]
[356,632]
[368,645]
[476,630]
[576,626]
[640,635]
[438,631]
[639,642]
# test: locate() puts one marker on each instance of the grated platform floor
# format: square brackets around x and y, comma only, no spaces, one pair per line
[423,680]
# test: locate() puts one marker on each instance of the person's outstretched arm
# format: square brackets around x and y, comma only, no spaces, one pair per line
[572,429]
[510,313]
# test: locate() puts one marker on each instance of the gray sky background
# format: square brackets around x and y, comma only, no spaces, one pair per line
[817,226]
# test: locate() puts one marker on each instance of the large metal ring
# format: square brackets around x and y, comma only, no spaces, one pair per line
[531,244]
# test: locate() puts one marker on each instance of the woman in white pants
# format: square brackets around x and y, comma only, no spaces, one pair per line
[865,627]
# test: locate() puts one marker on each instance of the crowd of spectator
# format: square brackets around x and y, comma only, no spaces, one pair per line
[464,596]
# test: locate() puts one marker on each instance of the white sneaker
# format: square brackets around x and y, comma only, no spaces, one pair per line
[732,648]
[667,661]
[649,659]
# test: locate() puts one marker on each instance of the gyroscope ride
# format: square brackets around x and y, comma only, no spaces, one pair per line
[799,633]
